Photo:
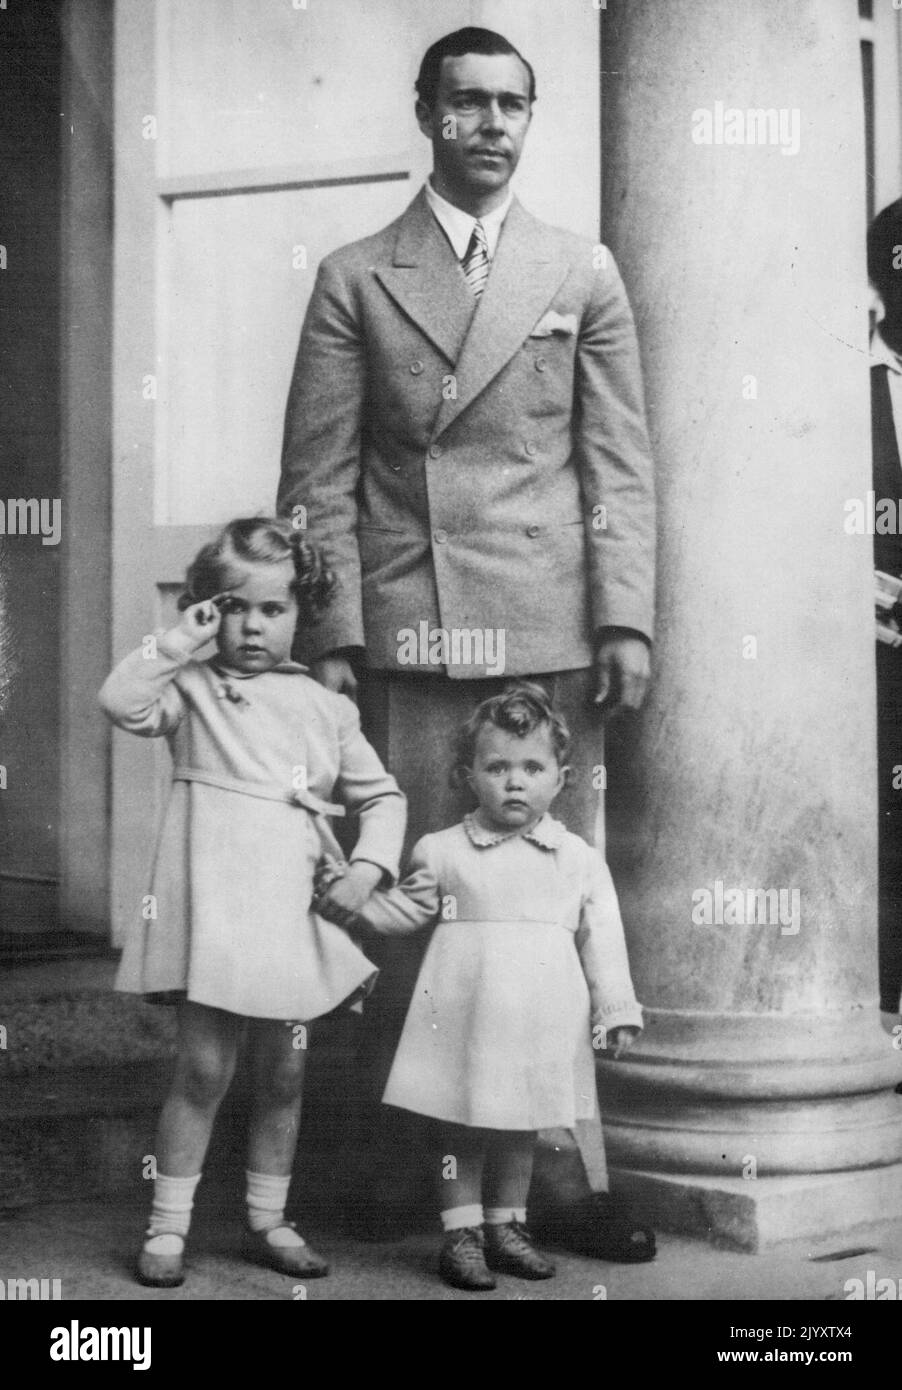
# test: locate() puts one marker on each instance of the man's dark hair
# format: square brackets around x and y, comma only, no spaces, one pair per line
[484,41]
[884,237]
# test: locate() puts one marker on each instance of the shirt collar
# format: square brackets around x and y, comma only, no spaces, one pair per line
[882,355]
[548,833]
[284,668]
[458,225]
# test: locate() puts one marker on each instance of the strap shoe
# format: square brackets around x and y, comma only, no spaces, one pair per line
[292,1259]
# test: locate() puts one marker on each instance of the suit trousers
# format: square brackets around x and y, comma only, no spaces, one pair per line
[411,720]
[889,840]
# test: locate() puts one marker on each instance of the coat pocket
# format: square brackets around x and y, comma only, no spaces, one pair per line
[386,556]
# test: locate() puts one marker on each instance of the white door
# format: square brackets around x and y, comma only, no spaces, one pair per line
[252,137]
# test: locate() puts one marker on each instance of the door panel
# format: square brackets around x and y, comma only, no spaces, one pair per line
[251,139]
[233,281]
[253,85]
[30,388]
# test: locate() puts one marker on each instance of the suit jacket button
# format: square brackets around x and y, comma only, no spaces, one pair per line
[533,531]
[540,364]
[435,451]
[531,449]
[416,368]
[440,536]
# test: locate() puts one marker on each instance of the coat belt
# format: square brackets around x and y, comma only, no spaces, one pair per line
[264,790]
[318,808]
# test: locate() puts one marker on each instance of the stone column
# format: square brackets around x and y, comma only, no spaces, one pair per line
[759,1104]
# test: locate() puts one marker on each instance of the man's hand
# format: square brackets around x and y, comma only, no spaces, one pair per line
[620,1039]
[345,896]
[623,670]
[336,673]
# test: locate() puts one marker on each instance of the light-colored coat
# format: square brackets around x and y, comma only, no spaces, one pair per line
[474,466]
[227,921]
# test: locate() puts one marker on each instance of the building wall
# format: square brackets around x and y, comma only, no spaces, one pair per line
[883,34]
[30,290]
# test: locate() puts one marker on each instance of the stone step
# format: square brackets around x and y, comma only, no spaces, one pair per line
[91,1131]
[114,1090]
[83,1074]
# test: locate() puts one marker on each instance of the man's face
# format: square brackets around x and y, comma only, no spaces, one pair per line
[478,123]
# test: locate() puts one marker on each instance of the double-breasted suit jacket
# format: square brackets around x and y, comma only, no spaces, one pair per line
[473,464]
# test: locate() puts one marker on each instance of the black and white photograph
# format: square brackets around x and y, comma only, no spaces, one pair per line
[451,660]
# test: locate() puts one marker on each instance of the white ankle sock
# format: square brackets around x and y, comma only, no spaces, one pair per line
[267,1194]
[455,1218]
[170,1212]
[503,1216]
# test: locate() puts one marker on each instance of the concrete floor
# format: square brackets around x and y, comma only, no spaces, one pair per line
[90,1245]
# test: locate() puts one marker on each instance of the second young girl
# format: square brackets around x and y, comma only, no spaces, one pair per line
[526,970]
[259,750]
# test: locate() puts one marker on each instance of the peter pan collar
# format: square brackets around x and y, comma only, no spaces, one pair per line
[547,833]
[286,668]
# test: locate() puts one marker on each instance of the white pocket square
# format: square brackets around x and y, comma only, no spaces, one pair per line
[554,323]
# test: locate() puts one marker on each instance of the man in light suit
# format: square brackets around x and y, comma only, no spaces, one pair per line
[465,431]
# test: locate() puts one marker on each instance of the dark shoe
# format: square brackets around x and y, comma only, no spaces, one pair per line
[299,1260]
[159,1271]
[601,1226]
[462,1263]
[510,1250]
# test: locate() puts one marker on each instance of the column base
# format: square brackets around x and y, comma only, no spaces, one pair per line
[758,1214]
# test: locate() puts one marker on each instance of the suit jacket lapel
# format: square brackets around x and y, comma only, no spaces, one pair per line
[526,273]
[426,281]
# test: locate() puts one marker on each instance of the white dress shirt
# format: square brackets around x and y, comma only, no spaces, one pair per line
[883,355]
[458,225]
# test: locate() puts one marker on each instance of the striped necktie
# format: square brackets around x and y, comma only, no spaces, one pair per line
[476,261]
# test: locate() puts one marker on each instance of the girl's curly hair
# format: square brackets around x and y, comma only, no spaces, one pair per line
[263,540]
[521,708]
